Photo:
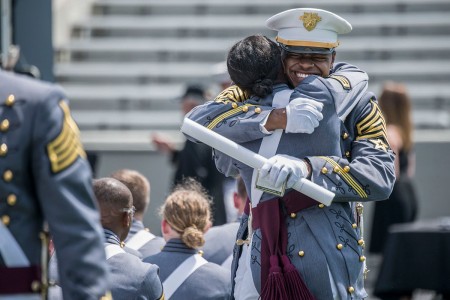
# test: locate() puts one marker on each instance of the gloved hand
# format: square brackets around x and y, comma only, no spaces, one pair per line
[280,168]
[303,115]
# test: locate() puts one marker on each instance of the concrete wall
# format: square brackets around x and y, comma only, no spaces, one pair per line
[431,176]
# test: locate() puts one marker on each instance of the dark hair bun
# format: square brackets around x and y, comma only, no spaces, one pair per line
[262,88]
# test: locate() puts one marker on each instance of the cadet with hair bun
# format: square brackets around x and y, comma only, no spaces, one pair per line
[186,216]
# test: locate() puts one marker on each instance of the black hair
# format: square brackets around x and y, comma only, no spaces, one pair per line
[254,64]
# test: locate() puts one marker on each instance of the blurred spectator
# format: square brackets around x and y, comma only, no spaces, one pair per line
[184,272]
[220,75]
[195,160]
[402,205]
[139,238]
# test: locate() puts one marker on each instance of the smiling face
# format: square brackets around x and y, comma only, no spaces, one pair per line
[298,66]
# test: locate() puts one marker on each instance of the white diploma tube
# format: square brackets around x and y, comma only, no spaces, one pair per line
[249,158]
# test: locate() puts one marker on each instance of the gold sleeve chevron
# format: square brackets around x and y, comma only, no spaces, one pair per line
[346,176]
[373,125]
[343,81]
[232,94]
[230,113]
[66,147]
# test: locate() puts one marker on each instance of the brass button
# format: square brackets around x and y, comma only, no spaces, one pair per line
[362,258]
[354,226]
[35,286]
[351,289]
[258,110]
[336,169]
[200,252]
[339,246]
[347,153]
[301,253]
[324,170]
[122,244]
[4,125]
[293,215]
[245,108]
[361,242]
[8,175]
[345,135]
[5,220]
[321,205]
[10,100]
[346,169]
[234,105]
[3,149]
[11,199]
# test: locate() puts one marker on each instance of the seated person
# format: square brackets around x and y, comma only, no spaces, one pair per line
[185,274]
[130,277]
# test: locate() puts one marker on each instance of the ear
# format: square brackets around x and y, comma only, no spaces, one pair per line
[165,227]
[126,219]
[333,57]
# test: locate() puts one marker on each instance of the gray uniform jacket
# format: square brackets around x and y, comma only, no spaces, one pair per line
[209,281]
[349,155]
[45,177]
[219,242]
[151,247]
[130,277]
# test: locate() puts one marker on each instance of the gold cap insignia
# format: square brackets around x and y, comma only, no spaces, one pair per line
[310,20]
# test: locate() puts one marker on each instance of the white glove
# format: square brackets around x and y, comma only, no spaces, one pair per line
[303,115]
[280,168]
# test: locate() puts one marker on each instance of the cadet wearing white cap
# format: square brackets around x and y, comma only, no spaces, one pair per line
[308,30]
[359,167]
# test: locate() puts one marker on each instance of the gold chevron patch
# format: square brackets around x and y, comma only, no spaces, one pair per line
[343,81]
[373,126]
[64,150]
[230,113]
[346,177]
[232,94]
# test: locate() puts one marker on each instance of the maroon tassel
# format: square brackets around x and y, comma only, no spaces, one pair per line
[274,287]
[295,287]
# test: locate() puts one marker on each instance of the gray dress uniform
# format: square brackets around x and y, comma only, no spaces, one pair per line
[130,277]
[210,281]
[145,242]
[44,176]
[349,155]
[219,243]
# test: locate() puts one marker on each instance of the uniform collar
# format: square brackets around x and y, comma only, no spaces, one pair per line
[111,237]
[136,226]
[177,245]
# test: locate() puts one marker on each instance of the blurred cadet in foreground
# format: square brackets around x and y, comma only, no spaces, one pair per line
[139,238]
[402,205]
[195,160]
[46,179]
[130,277]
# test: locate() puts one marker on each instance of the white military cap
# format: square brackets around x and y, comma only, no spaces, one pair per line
[309,30]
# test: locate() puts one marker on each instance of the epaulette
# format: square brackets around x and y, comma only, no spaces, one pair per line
[232,94]
[343,81]
[373,128]
[64,150]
